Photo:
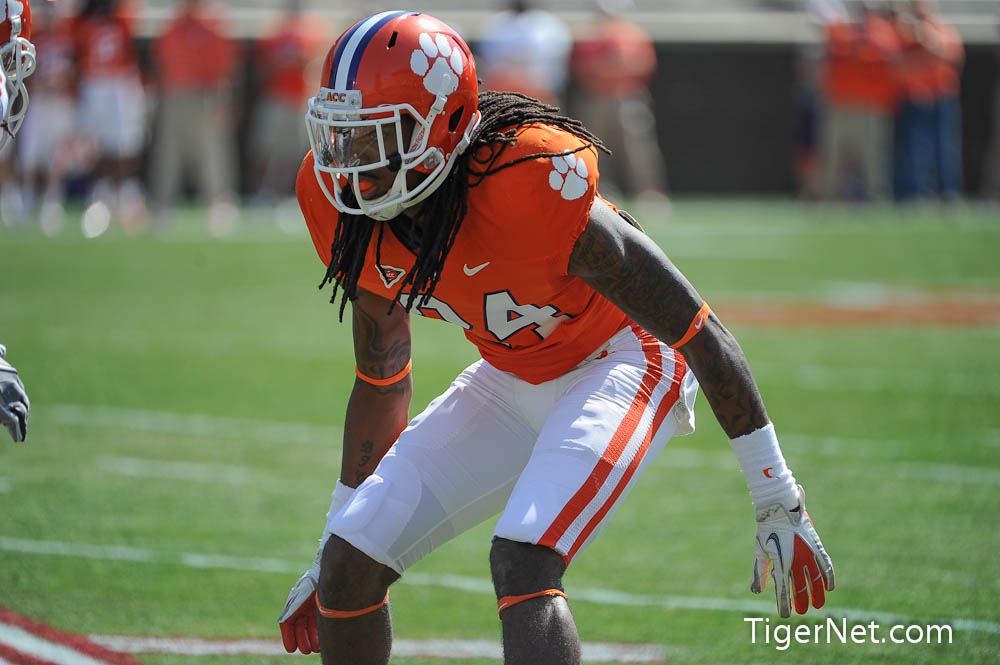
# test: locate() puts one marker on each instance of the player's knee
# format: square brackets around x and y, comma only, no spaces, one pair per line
[521,568]
[349,578]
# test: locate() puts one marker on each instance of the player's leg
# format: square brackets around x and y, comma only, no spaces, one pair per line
[453,467]
[359,631]
[536,628]
[616,413]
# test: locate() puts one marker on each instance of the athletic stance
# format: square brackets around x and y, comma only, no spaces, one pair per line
[482,209]
[18,59]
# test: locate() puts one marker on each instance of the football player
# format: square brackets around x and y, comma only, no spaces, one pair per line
[18,57]
[424,195]
[18,62]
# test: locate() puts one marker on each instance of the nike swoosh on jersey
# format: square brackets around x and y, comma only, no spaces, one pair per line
[472,271]
[701,321]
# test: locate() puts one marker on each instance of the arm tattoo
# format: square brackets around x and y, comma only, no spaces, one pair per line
[379,353]
[628,269]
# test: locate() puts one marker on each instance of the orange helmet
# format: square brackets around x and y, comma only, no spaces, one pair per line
[18,59]
[385,71]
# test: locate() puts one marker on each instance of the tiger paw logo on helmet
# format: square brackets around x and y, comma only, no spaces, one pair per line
[569,177]
[447,62]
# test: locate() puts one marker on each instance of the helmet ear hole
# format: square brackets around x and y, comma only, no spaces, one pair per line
[455,118]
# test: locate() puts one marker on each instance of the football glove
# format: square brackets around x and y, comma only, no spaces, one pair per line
[298,619]
[14,404]
[787,540]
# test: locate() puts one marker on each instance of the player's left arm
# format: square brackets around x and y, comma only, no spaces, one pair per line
[625,266]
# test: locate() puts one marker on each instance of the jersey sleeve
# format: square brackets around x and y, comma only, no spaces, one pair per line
[541,204]
[320,215]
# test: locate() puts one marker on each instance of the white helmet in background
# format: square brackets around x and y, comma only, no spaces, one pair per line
[17,55]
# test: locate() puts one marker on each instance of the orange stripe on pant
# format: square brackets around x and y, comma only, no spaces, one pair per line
[619,441]
[661,412]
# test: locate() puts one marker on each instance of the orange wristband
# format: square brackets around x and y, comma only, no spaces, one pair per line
[399,376]
[696,326]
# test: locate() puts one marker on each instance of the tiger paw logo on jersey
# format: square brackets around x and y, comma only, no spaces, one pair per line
[569,177]
[390,275]
[436,60]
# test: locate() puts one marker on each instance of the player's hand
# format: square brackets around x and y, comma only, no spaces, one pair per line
[787,540]
[298,620]
[14,404]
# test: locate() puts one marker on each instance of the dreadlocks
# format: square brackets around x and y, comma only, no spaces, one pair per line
[440,218]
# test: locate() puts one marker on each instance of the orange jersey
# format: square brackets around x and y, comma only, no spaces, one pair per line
[104,47]
[505,282]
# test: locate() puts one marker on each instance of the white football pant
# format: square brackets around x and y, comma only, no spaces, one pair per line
[555,459]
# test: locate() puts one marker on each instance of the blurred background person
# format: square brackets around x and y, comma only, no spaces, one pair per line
[194,62]
[112,113]
[928,154]
[990,188]
[287,67]
[525,49]
[613,62]
[45,152]
[861,87]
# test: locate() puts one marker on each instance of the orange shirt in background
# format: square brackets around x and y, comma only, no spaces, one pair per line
[945,44]
[193,53]
[104,46]
[862,63]
[284,56]
[614,58]
[54,48]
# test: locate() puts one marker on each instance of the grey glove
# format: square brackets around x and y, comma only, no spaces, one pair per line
[14,404]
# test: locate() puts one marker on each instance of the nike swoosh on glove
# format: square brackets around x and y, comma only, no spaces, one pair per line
[298,620]
[802,568]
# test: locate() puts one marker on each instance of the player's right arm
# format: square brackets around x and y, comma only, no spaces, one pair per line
[378,410]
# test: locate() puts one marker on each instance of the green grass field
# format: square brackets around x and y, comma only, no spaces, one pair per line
[187,394]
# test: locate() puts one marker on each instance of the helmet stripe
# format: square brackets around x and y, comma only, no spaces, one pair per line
[344,71]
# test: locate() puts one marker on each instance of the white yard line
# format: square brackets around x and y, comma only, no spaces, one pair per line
[189,471]
[167,422]
[459,582]
[191,424]
[592,652]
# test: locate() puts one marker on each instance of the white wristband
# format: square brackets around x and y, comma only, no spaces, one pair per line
[341,494]
[768,477]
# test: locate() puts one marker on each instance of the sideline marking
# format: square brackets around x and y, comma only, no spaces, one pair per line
[592,652]
[466,583]
[24,641]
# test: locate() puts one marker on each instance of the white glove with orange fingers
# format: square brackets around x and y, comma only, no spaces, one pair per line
[787,541]
[298,619]
[786,538]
